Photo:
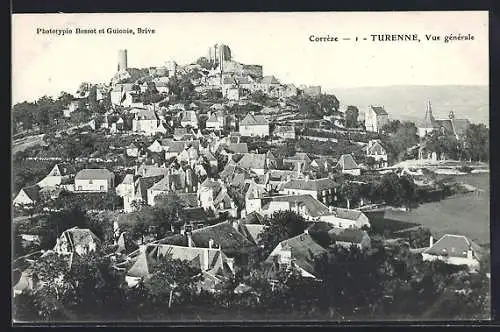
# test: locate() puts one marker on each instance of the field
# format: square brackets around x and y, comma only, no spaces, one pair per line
[467,214]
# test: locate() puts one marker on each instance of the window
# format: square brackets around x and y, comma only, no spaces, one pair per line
[101,187]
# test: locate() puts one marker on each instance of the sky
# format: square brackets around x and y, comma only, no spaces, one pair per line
[44,64]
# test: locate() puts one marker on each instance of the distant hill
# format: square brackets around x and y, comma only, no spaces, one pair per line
[410,102]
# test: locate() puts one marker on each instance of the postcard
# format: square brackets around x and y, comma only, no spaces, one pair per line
[250,167]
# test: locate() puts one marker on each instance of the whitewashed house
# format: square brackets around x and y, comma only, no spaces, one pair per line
[254,125]
[94,180]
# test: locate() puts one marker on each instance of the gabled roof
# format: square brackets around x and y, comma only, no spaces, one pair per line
[253,120]
[252,161]
[190,199]
[304,251]
[312,185]
[453,246]
[375,147]
[346,213]
[446,124]
[299,156]
[253,218]
[460,126]
[314,207]
[166,183]
[194,214]
[347,162]
[33,192]
[237,147]
[379,110]
[212,184]
[94,174]
[142,185]
[252,231]
[79,237]
[225,235]
[351,235]
[150,170]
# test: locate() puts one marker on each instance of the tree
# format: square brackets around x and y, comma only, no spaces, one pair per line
[397,144]
[370,162]
[328,104]
[391,127]
[351,192]
[281,226]
[351,116]
[477,142]
[171,275]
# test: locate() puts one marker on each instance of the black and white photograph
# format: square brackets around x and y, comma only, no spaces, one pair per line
[250,167]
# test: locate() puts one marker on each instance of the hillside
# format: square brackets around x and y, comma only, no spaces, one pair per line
[409,102]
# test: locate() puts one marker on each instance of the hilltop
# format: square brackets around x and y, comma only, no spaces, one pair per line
[409,102]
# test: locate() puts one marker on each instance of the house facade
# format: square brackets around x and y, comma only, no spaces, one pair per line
[254,125]
[375,150]
[375,118]
[146,122]
[94,180]
[455,250]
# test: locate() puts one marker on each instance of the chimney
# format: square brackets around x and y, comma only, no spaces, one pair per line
[469,254]
[206,263]
[190,239]
[431,241]
[306,231]
[330,209]
[211,243]
[307,177]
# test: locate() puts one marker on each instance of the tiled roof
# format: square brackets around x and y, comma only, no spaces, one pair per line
[460,126]
[379,110]
[304,251]
[253,219]
[252,161]
[150,170]
[94,174]
[347,213]
[299,156]
[194,214]
[237,147]
[351,235]
[312,185]
[446,124]
[165,184]
[314,207]
[33,192]
[376,147]
[251,120]
[225,235]
[142,185]
[80,236]
[452,246]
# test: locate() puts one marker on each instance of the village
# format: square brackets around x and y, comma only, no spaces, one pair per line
[212,178]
